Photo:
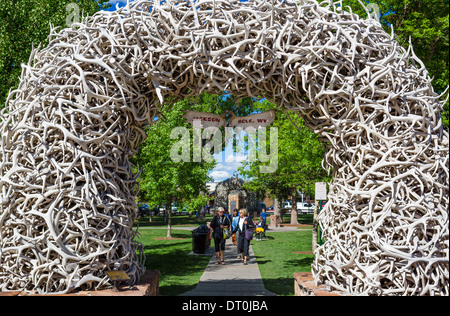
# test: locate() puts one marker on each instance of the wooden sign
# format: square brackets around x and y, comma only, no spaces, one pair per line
[205,119]
[117,276]
[208,119]
[255,120]
[321,191]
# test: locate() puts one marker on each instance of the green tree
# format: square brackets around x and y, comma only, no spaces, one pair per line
[162,180]
[24,23]
[300,155]
[426,23]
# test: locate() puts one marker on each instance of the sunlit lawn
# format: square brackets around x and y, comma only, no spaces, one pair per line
[277,261]
[180,272]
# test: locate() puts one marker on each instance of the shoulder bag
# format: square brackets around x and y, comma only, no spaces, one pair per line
[248,231]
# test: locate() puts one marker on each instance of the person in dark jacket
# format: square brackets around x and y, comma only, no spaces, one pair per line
[244,228]
[218,223]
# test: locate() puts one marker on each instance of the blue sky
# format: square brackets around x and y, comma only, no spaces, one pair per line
[113,3]
[229,162]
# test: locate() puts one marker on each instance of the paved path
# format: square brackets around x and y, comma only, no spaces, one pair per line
[232,279]
[271,229]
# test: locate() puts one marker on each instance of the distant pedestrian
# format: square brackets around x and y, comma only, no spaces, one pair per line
[264,214]
[218,224]
[245,233]
[234,224]
[227,214]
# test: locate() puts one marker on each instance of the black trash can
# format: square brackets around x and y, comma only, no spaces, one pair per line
[200,239]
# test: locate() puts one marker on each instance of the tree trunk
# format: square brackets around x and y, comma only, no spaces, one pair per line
[315,226]
[201,214]
[294,213]
[169,219]
[276,207]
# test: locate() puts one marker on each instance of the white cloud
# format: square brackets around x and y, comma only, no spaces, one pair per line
[225,167]
[219,175]
[238,158]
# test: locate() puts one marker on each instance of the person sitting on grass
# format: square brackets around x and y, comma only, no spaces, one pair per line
[260,228]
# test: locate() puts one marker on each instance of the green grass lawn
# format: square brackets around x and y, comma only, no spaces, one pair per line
[277,262]
[304,219]
[180,272]
[177,220]
[186,220]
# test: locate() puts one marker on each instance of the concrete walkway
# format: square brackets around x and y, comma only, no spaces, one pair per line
[271,229]
[232,279]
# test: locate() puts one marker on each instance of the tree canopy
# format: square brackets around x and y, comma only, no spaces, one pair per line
[26,23]
[300,156]
[163,180]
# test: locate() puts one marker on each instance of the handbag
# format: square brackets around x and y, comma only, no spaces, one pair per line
[226,233]
[248,233]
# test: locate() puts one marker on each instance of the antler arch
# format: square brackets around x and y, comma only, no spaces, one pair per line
[67,187]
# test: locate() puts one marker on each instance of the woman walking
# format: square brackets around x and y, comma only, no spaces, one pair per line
[245,233]
[218,224]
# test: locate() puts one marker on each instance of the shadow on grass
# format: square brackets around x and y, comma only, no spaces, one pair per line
[284,285]
[180,272]
[177,278]
[299,263]
[179,220]
[281,286]
[306,219]
[261,261]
